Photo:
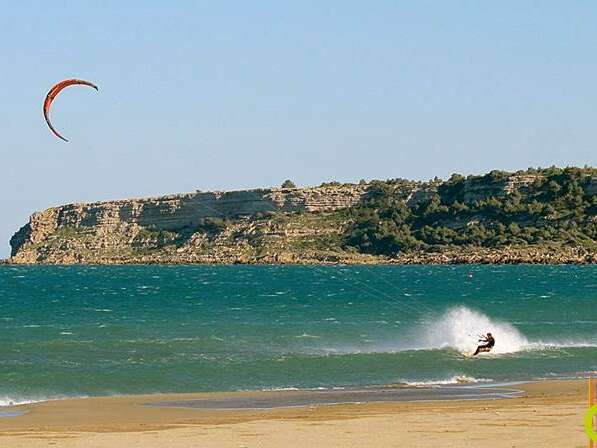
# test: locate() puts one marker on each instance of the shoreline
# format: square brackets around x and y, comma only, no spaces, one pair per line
[283,398]
[554,407]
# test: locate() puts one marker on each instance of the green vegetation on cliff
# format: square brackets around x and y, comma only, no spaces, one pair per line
[550,207]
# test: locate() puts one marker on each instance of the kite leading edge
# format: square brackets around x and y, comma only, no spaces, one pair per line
[53,93]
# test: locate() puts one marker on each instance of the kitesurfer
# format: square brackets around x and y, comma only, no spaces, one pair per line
[488,343]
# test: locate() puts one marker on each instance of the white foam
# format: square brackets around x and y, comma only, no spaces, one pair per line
[457,379]
[459,328]
[280,389]
[15,401]
[553,345]
[308,336]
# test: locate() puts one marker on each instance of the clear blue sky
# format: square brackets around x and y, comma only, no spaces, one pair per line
[227,95]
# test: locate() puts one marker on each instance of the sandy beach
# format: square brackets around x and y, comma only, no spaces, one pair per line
[546,414]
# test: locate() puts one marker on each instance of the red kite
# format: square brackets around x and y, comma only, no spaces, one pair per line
[53,93]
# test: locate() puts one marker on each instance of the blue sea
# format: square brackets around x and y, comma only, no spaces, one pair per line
[71,331]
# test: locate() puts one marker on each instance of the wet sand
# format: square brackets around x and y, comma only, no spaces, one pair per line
[546,414]
[302,398]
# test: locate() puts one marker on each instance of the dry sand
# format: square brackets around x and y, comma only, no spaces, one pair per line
[550,414]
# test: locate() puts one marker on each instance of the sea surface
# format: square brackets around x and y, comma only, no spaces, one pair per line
[68,331]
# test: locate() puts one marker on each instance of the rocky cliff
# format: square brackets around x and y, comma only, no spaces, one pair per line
[275,225]
[176,227]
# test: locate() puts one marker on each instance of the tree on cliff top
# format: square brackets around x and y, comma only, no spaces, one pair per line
[288,184]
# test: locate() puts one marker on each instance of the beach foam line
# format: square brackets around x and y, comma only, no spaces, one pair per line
[454,380]
[18,401]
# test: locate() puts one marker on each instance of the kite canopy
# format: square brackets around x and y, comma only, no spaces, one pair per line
[53,93]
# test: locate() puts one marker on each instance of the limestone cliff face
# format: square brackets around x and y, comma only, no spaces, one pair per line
[476,190]
[181,211]
[107,231]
